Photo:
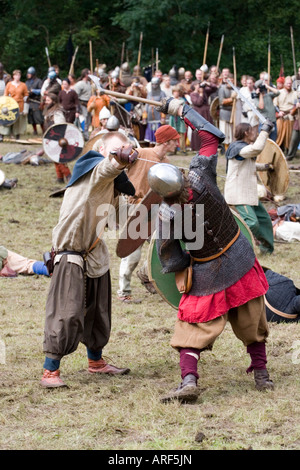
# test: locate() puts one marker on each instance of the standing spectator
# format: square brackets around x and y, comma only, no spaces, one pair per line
[200,103]
[94,106]
[187,84]
[19,92]
[83,89]
[248,92]
[226,96]
[285,120]
[177,123]
[72,79]
[264,101]
[3,81]
[280,83]
[34,86]
[166,86]
[295,139]
[68,99]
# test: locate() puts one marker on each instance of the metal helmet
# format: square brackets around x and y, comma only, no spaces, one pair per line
[113,124]
[166,180]
[31,71]
[104,113]
[204,68]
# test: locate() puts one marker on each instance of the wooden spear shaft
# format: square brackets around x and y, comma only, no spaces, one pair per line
[293,50]
[73,61]
[140,50]
[269,58]
[91,58]
[220,52]
[232,117]
[131,98]
[206,44]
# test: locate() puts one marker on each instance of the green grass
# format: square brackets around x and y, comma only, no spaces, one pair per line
[125,412]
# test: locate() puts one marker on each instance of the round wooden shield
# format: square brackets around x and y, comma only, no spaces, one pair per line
[9,111]
[138,225]
[63,143]
[2,177]
[165,283]
[91,142]
[215,109]
[277,180]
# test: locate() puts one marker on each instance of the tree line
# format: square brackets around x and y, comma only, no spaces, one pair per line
[174,31]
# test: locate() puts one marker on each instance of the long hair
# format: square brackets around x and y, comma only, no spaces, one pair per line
[241,130]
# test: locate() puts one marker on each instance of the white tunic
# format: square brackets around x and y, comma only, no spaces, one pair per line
[241,180]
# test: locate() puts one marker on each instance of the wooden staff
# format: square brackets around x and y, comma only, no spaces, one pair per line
[140,50]
[293,50]
[91,57]
[152,61]
[48,57]
[232,117]
[73,61]
[220,52]
[156,60]
[132,98]
[206,44]
[123,53]
[269,58]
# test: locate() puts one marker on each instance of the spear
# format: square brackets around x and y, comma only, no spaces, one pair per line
[293,50]
[232,117]
[206,44]
[48,57]
[140,50]
[122,53]
[220,51]
[116,94]
[269,58]
[73,61]
[157,61]
[91,57]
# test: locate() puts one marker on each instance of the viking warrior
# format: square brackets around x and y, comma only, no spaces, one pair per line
[12,264]
[54,114]
[78,307]
[241,182]
[34,85]
[282,298]
[228,283]
[154,117]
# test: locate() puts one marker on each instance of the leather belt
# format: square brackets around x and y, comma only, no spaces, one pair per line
[209,258]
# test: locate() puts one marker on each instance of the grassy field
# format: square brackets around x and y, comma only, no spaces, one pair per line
[125,413]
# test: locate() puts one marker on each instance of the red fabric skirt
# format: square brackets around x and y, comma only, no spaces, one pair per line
[200,309]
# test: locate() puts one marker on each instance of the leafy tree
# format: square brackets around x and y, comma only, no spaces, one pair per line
[177,28]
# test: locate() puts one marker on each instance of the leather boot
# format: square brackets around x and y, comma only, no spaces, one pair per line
[102,367]
[187,392]
[262,380]
[51,379]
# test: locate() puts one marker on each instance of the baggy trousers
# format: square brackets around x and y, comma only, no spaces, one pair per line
[260,224]
[68,321]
